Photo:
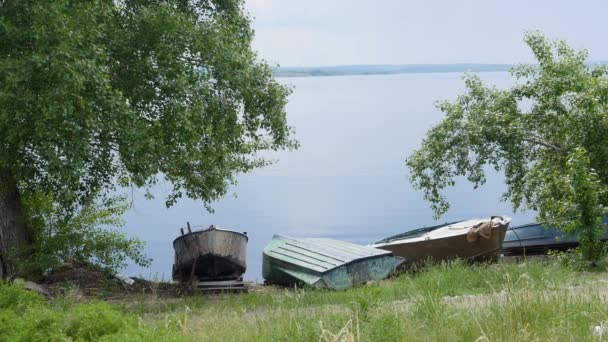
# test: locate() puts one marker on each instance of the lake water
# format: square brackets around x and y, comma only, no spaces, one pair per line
[347,181]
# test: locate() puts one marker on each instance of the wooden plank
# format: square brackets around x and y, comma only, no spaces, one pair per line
[221,283]
[225,285]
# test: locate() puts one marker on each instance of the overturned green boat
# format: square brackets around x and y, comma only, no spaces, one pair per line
[323,263]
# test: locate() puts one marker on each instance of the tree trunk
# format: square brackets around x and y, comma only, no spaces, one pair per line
[13,232]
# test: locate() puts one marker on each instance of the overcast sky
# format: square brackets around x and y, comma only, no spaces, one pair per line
[338,32]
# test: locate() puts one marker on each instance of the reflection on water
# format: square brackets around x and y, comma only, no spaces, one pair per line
[347,181]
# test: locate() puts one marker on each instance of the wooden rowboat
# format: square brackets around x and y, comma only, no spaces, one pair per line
[476,239]
[323,263]
[210,254]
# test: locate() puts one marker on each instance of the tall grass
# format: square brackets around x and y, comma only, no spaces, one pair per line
[450,302]
[451,279]
[410,306]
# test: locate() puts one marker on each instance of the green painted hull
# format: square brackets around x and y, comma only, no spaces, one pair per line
[308,266]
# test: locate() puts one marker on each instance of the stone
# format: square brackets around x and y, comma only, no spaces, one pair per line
[40,289]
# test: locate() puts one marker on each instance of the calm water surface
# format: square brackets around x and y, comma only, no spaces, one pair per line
[347,181]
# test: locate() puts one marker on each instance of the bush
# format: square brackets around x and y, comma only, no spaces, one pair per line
[25,316]
[93,320]
[85,235]
[573,259]
[576,260]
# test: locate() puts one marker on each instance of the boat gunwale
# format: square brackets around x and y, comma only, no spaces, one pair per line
[209,230]
[544,227]
[547,225]
[401,240]
[412,233]
[529,225]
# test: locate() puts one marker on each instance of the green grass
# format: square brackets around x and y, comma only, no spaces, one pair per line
[452,279]
[530,301]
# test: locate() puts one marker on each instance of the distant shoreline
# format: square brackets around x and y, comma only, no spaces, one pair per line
[392,69]
[364,70]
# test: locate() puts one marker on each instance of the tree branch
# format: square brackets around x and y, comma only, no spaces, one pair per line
[545,144]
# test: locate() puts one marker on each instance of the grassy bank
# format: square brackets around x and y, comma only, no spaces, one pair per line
[448,302]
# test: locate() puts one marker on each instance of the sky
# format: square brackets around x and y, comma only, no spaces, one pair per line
[343,32]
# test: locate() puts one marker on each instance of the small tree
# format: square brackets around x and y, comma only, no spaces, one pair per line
[548,134]
[96,90]
[88,234]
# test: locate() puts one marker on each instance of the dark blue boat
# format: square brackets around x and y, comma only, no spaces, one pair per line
[535,238]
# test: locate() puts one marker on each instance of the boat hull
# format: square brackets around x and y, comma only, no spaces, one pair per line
[450,248]
[537,239]
[323,263]
[344,277]
[458,246]
[211,254]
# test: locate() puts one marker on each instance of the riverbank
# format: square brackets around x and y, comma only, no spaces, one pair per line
[526,301]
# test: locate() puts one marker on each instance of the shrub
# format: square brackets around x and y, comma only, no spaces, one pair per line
[86,235]
[93,320]
[15,297]
[25,316]
[575,259]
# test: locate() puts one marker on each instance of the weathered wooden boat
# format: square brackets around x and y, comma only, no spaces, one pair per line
[210,254]
[476,239]
[323,263]
[536,238]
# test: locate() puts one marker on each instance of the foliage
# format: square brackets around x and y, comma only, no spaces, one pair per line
[84,235]
[572,258]
[547,134]
[131,90]
[14,297]
[576,260]
[96,89]
[576,206]
[27,317]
